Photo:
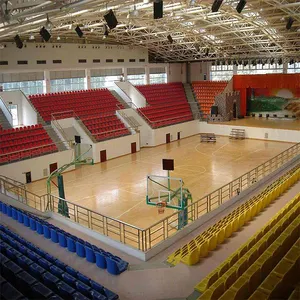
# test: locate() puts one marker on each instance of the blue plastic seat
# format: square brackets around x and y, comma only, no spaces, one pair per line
[1,205]
[70,280]
[47,233]
[83,278]
[78,296]
[113,267]
[97,287]
[90,254]
[24,282]
[50,281]
[50,258]
[54,236]
[36,271]
[40,252]
[72,271]
[20,217]
[45,264]
[33,256]
[100,260]
[71,244]
[62,240]
[14,213]
[9,292]
[41,291]
[26,221]
[24,262]
[9,211]
[60,264]
[65,291]
[39,228]
[3,259]
[80,250]
[32,223]
[13,254]
[10,269]
[4,208]
[22,249]
[57,271]
[83,288]
[97,296]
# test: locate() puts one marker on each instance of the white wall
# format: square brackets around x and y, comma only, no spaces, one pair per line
[36,166]
[29,115]
[198,69]
[177,72]
[134,94]
[254,132]
[14,97]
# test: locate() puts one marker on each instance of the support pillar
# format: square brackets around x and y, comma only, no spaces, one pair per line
[87,79]
[47,82]
[124,70]
[285,67]
[147,72]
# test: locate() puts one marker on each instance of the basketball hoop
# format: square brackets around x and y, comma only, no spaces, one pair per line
[161,207]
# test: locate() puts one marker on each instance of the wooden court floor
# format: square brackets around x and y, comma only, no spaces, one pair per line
[117,188]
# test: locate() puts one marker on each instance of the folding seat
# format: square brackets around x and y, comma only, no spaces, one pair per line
[65,291]
[40,291]
[33,256]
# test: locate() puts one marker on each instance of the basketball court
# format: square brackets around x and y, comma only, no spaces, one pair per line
[118,188]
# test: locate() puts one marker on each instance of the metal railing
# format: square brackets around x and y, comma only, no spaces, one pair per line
[145,239]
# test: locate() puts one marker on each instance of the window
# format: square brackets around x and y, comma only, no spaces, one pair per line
[96,60]
[109,60]
[221,72]
[142,60]
[131,60]
[57,61]
[3,63]
[294,68]
[260,69]
[22,62]
[27,87]
[82,61]
[158,78]
[104,81]
[67,84]
[41,62]
[120,60]
[137,79]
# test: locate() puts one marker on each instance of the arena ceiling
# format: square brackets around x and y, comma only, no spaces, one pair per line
[197,32]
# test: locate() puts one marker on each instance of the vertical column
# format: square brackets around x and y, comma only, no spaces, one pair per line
[285,67]
[167,72]
[124,70]
[147,72]
[234,69]
[47,83]
[87,79]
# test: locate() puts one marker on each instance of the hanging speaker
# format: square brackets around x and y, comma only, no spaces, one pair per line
[79,32]
[289,23]
[18,41]
[158,9]
[168,164]
[77,139]
[241,6]
[216,5]
[170,39]
[111,20]
[45,34]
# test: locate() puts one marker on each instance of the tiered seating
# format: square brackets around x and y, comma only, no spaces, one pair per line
[206,91]
[38,275]
[208,240]
[167,104]
[105,127]
[265,267]
[104,260]
[96,108]
[24,142]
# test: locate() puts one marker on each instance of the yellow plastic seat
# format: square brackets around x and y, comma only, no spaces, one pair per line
[191,258]
[203,249]
[241,286]
[230,277]
[270,284]
[212,243]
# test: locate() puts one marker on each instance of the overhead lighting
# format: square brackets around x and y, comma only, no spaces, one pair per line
[58,38]
[92,30]
[105,31]
[216,5]
[241,6]
[31,38]
[48,24]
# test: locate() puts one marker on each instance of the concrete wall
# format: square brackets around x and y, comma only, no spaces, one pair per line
[28,113]
[198,69]
[39,167]
[134,94]
[254,132]
[177,72]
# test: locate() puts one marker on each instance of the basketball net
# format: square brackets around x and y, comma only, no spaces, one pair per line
[161,207]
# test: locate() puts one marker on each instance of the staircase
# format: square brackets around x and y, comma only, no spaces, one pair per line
[194,105]
[118,97]
[55,138]
[3,121]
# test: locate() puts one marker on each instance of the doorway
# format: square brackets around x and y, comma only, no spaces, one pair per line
[234,110]
[133,147]
[53,167]
[178,135]
[168,138]
[13,108]
[103,157]
[28,177]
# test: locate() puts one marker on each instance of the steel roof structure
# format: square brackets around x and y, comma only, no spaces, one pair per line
[197,32]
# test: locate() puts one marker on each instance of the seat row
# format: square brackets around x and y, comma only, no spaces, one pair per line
[198,248]
[112,134]
[265,267]
[39,275]
[19,129]
[104,260]
[74,93]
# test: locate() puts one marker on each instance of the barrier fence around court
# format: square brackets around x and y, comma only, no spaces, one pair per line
[145,239]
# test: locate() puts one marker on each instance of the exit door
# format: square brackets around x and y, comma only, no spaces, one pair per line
[103,156]
[178,135]
[53,167]
[133,147]
[234,110]
[28,177]
[168,138]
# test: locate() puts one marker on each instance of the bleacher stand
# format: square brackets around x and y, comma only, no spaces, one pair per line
[206,91]
[96,108]
[167,104]
[28,271]
[24,142]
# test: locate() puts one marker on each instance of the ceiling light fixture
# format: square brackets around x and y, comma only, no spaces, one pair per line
[58,38]
[31,38]
[48,24]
